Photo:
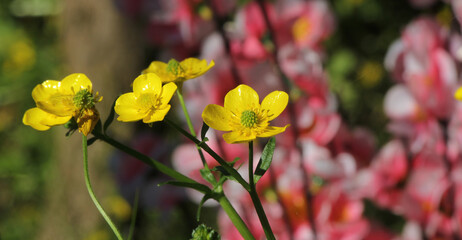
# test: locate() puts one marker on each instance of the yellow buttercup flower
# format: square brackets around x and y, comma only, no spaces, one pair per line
[178,72]
[244,116]
[458,94]
[148,101]
[59,101]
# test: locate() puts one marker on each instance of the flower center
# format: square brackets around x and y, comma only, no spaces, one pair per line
[249,118]
[148,101]
[84,99]
[301,28]
[174,67]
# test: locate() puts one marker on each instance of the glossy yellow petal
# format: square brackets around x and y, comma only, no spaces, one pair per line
[42,92]
[128,109]
[217,117]
[49,97]
[275,103]
[41,120]
[458,94]
[86,121]
[156,115]
[238,137]
[271,131]
[194,67]
[167,93]
[74,83]
[147,83]
[160,69]
[240,99]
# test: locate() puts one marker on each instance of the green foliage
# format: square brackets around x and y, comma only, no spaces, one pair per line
[265,159]
[203,232]
[27,56]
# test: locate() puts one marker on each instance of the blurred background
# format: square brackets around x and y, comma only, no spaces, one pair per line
[42,190]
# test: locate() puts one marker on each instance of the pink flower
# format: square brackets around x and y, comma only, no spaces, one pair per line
[309,23]
[400,105]
[423,35]
[391,163]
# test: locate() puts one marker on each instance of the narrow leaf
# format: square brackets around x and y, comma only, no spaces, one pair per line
[91,141]
[265,160]
[222,170]
[204,130]
[197,186]
[204,199]
[110,118]
[208,176]
[133,218]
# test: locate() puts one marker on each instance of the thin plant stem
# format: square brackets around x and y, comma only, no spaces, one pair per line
[185,111]
[288,85]
[256,200]
[223,201]
[134,213]
[190,125]
[285,211]
[235,218]
[90,190]
[212,153]
[149,161]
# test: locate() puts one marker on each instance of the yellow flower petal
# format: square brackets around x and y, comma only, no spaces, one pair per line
[74,83]
[167,93]
[238,137]
[243,115]
[240,99]
[42,92]
[156,115]
[217,117]
[271,131]
[160,69]
[458,94]
[194,67]
[275,103]
[147,83]
[41,120]
[48,97]
[128,109]
[58,101]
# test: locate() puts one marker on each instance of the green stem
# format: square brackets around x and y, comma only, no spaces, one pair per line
[90,190]
[185,111]
[134,212]
[151,162]
[212,153]
[190,125]
[256,200]
[235,218]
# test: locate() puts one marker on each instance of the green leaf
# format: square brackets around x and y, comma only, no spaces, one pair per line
[265,160]
[203,232]
[204,199]
[91,141]
[98,127]
[134,212]
[222,170]
[208,176]
[110,118]
[223,179]
[197,186]
[204,130]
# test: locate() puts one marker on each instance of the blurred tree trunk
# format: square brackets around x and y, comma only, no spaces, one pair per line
[105,46]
